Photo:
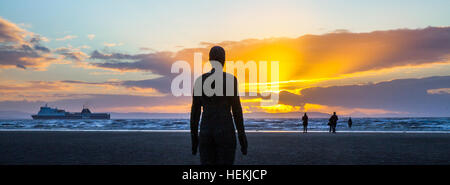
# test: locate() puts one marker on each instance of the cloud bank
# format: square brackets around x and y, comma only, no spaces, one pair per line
[341,52]
[411,96]
[22,49]
[309,56]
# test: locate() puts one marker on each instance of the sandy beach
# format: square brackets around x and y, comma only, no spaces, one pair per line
[173,148]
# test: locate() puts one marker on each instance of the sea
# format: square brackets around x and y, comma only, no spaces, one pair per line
[428,124]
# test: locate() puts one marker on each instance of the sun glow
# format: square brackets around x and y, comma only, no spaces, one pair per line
[281,108]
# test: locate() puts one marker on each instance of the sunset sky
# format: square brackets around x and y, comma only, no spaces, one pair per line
[359,58]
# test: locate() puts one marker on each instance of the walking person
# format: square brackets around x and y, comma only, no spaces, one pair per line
[305,123]
[350,122]
[333,122]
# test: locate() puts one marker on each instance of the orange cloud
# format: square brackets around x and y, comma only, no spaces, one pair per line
[439,91]
[112,44]
[334,54]
[67,37]
[10,32]
[153,109]
[308,107]
[22,49]
[57,90]
[346,111]
[279,108]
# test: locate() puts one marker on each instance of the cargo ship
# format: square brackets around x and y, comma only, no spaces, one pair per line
[47,112]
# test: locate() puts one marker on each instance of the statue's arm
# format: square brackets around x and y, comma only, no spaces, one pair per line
[238,117]
[196,109]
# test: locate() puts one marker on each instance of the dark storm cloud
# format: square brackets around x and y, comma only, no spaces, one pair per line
[21,66]
[72,54]
[42,48]
[23,57]
[405,95]
[158,63]
[161,84]
[90,83]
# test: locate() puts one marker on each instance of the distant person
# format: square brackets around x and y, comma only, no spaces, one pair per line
[329,125]
[333,122]
[305,123]
[350,122]
[217,141]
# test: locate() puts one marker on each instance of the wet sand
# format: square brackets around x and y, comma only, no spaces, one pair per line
[173,148]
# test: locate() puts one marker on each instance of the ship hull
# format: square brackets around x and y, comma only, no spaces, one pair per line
[54,113]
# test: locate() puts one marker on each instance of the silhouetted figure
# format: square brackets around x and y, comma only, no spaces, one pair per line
[333,122]
[329,124]
[350,122]
[217,141]
[305,123]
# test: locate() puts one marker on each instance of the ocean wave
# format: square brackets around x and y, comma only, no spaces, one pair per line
[315,124]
